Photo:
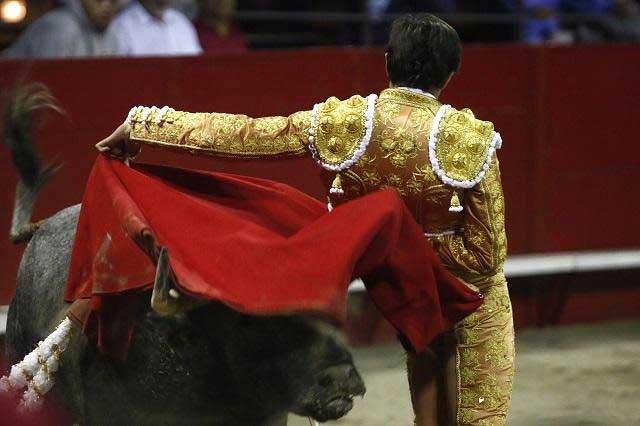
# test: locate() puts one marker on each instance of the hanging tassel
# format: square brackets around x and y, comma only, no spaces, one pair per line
[455,203]
[336,186]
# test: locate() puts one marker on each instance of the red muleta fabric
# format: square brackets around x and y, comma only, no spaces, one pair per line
[258,246]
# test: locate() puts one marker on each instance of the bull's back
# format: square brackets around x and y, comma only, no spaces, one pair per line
[37,305]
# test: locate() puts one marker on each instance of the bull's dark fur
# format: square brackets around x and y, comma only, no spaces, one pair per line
[210,365]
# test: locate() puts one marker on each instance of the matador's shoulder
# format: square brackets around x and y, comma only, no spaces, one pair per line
[461,147]
[340,131]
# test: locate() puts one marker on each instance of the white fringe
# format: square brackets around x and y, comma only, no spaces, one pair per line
[132,112]
[364,143]
[35,371]
[496,143]
[312,131]
[165,109]
[146,112]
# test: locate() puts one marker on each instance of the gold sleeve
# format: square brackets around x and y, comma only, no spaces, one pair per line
[482,247]
[229,135]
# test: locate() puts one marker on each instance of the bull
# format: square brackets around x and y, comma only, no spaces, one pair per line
[201,364]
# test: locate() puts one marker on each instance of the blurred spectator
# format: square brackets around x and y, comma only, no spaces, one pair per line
[624,25]
[216,30]
[587,6]
[542,24]
[590,30]
[613,20]
[151,28]
[621,24]
[79,28]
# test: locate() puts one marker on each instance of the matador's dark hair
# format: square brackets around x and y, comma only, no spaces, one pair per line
[422,51]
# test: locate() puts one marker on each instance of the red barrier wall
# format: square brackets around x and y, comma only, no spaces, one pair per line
[570,158]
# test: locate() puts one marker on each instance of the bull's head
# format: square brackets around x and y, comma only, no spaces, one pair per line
[281,363]
[290,363]
[330,370]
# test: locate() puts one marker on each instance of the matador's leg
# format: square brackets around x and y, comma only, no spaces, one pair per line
[423,371]
[483,363]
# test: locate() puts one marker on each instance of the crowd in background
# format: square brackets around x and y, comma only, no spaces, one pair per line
[88,28]
[81,28]
[619,21]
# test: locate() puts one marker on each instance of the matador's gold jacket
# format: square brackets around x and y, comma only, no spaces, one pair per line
[442,162]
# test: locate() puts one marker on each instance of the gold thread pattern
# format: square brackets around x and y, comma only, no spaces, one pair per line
[340,129]
[481,249]
[224,134]
[485,347]
[463,145]
[398,148]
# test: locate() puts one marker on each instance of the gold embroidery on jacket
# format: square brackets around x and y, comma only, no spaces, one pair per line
[340,129]
[225,134]
[463,145]
[481,249]
[405,97]
[402,124]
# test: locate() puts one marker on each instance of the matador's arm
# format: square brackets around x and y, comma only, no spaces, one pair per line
[462,151]
[220,134]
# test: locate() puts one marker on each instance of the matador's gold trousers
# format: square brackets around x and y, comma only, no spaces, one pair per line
[466,376]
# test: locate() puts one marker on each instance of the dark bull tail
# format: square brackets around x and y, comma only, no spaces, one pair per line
[18,119]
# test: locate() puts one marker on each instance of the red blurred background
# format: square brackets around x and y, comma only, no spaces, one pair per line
[568,116]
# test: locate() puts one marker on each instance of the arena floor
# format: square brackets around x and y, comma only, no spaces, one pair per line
[583,375]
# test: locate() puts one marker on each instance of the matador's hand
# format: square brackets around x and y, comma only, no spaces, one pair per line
[118,144]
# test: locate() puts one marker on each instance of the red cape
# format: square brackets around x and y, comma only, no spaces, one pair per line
[260,247]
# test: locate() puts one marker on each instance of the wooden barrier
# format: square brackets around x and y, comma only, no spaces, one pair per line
[570,158]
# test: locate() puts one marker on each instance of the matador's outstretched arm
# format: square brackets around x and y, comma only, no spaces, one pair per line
[221,134]
[230,135]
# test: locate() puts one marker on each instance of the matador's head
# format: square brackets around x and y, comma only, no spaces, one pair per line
[423,52]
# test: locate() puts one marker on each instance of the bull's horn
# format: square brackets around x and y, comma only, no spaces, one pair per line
[166,299]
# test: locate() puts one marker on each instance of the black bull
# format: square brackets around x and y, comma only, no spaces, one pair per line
[210,365]
[207,365]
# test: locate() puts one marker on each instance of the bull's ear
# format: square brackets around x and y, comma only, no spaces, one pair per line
[166,299]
